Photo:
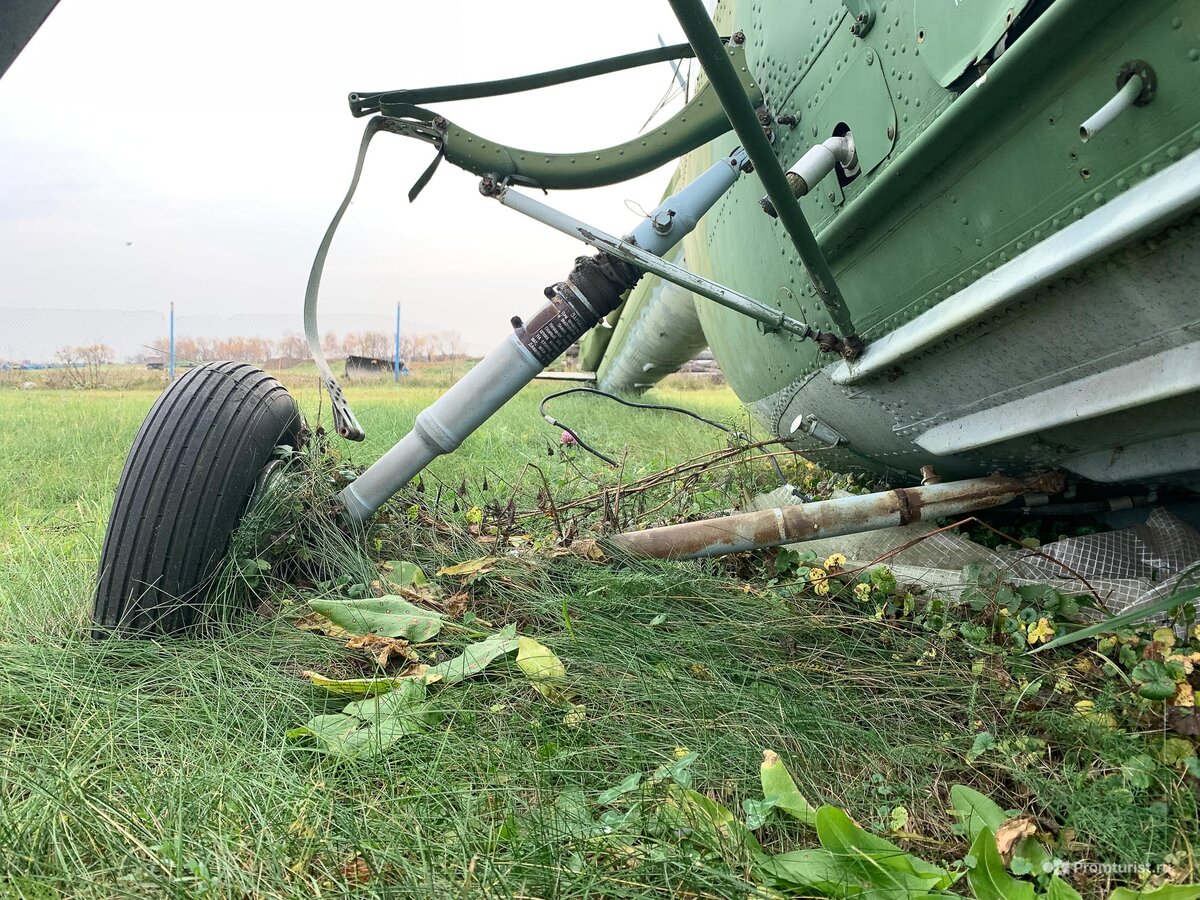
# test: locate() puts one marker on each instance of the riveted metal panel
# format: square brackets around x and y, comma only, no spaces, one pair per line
[954,35]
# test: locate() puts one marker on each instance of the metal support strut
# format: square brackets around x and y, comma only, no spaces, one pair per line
[594,288]
[714,58]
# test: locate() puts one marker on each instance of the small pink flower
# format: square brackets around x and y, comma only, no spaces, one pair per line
[567,438]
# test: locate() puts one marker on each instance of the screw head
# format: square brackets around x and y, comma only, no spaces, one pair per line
[738,37]
[891,132]
[832,197]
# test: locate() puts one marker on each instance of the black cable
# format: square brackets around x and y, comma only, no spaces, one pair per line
[634,405]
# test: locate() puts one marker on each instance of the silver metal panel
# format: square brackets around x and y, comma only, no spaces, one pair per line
[1161,376]
[1152,460]
[1129,307]
[1142,210]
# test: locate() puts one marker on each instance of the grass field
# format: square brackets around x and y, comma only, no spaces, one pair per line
[142,769]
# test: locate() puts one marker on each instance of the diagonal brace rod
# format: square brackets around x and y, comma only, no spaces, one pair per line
[714,58]
[772,319]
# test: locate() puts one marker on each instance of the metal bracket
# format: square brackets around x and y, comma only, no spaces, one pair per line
[862,16]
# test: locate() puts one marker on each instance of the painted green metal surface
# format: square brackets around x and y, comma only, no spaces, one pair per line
[953,36]
[701,121]
[749,123]
[972,179]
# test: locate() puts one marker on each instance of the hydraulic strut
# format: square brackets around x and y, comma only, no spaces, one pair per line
[593,289]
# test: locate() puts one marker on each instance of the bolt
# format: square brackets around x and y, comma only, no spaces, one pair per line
[661,223]
[786,120]
[738,37]
[764,118]
[891,132]
[870,57]
[487,185]
[439,122]
[832,197]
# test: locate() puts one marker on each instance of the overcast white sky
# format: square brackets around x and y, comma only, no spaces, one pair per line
[153,151]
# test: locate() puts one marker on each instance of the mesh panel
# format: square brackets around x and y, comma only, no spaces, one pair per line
[1127,568]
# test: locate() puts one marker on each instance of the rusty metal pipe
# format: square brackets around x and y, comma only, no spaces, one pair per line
[828,518]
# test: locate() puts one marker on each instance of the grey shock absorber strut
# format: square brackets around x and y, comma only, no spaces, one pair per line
[593,289]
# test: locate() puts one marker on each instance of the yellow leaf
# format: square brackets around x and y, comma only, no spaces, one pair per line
[367,687]
[1042,631]
[544,670]
[471,566]
[1087,709]
[1184,695]
[1164,636]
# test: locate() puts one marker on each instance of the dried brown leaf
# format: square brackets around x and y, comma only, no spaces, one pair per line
[382,649]
[318,624]
[355,870]
[457,605]
[1010,834]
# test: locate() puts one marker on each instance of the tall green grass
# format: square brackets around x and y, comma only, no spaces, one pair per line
[144,769]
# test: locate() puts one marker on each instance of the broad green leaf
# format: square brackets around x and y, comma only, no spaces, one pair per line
[476,657]
[1060,890]
[1132,617]
[470,567]
[886,864]
[406,574]
[627,786]
[815,872]
[756,812]
[389,615]
[1166,892]
[714,824]
[1156,682]
[678,770]
[544,670]
[978,811]
[984,741]
[779,789]
[368,727]
[988,877]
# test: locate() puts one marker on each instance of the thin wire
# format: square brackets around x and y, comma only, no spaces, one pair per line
[634,405]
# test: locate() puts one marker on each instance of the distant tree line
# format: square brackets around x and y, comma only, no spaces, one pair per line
[418,347]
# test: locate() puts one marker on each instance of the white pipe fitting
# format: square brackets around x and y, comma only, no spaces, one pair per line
[817,162]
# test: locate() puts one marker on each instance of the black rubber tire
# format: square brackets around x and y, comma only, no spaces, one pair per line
[186,485]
